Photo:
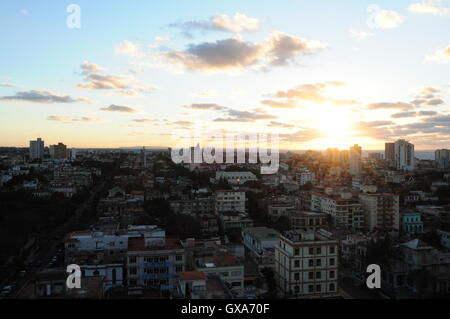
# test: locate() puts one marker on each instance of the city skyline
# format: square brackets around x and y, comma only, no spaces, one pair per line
[360,78]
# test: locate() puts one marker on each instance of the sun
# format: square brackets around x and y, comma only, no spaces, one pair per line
[334,128]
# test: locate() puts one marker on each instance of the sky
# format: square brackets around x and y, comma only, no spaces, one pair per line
[317,73]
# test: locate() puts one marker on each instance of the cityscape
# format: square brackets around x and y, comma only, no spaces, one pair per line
[220,150]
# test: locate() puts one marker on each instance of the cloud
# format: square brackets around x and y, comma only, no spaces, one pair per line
[433,7]
[427,92]
[96,81]
[428,102]
[71,119]
[236,24]
[35,96]
[128,48]
[8,85]
[86,100]
[103,82]
[279,124]
[441,56]
[88,68]
[180,123]
[144,120]
[236,54]
[374,129]
[286,104]
[359,34]
[24,11]
[118,108]
[245,116]
[387,19]
[313,93]
[302,135]
[413,114]
[390,105]
[205,106]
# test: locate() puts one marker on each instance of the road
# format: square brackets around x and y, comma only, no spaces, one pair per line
[43,258]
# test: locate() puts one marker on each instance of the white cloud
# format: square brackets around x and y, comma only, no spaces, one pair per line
[433,7]
[440,56]
[384,19]
[236,24]
[128,48]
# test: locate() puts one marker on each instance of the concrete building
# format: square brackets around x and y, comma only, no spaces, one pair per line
[235,178]
[381,211]
[234,220]
[344,210]
[306,264]
[355,159]
[305,176]
[229,200]
[261,242]
[389,152]
[276,210]
[412,223]
[58,151]
[154,263]
[442,157]
[228,268]
[37,149]
[303,220]
[404,155]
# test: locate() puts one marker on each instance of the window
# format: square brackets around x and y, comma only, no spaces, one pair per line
[236,273]
[296,263]
[179,257]
[311,251]
[319,250]
[296,276]
[297,251]
[311,288]
[296,289]
[132,260]
[318,262]
[331,261]
[318,288]
[311,263]
[310,275]
[332,287]
[332,274]
[133,270]
[179,268]
[318,275]
[332,250]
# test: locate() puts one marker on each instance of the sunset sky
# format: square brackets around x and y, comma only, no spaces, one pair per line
[319,73]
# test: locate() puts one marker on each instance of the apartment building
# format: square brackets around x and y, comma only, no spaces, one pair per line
[306,264]
[153,263]
[381,211]
[229,200]
[344,210]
